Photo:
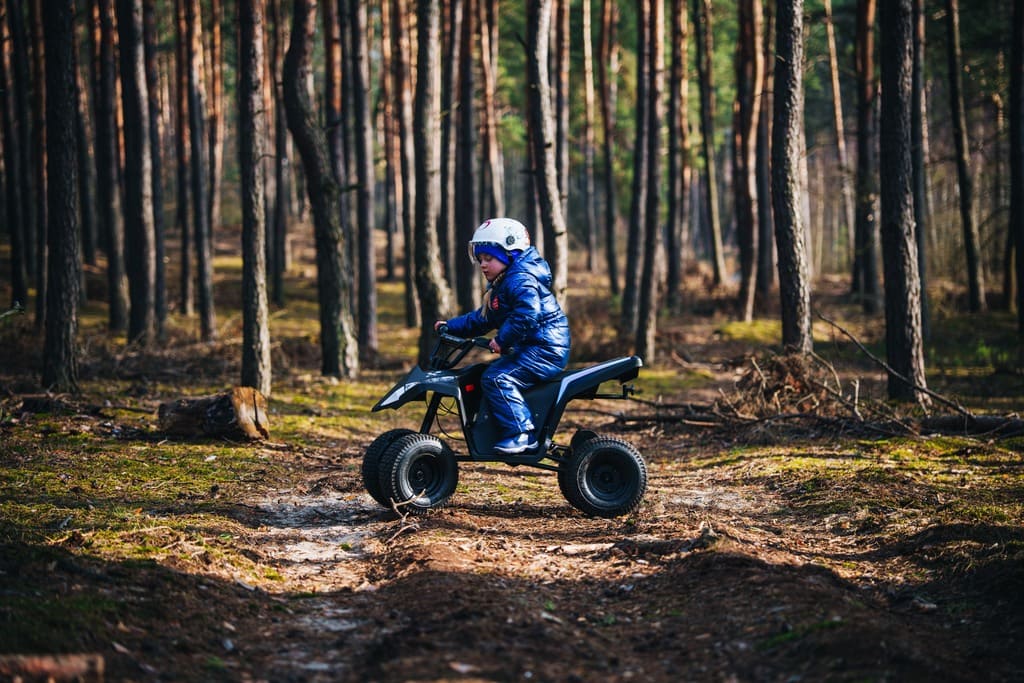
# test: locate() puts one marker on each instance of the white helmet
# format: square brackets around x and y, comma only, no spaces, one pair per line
[507,233]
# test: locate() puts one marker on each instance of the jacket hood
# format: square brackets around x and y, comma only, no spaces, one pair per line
[531,262]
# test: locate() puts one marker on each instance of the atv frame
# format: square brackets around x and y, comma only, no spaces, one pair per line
[417,470]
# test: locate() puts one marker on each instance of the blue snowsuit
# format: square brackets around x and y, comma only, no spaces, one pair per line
[533,333]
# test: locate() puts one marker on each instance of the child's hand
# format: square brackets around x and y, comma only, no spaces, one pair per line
[438,324]
[495,346]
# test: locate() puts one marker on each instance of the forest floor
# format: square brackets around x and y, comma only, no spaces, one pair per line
[782,537]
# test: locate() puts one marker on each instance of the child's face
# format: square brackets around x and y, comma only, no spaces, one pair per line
[490,266]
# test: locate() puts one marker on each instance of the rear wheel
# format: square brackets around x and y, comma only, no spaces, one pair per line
[419,473]
[371,462]
[605,477]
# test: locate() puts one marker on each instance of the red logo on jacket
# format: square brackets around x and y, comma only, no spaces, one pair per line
[494,303]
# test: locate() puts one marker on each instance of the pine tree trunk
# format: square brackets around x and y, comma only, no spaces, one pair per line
[182,145]
[434,295]
[589,205]
[60,361]
[39,155]
[749,65]
[492,175]
[703,40]
[14,199]
[628,324]
[766,268]
[256,370]
[541,121]
[337,332]
[864,283]
[199,167]
[138,225]
[975,269]
[86,170]
[150,40]
[402,58]
[903,343]
[918,116]
[647,313]
[367,255]
[787,190]
[560,101]
[446,227]
[1016,124]
[606,75]
[21,80]
[282,161]
[678,158]
[108,163]
[467,213]
[215,118]
[837,122]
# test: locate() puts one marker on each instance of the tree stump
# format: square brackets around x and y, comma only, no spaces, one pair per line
[52,668]
[239,413]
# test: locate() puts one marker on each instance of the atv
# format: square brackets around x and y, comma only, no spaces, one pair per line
[417,471]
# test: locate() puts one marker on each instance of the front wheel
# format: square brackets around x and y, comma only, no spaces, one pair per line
[605,477]
[418,472]
[371,462]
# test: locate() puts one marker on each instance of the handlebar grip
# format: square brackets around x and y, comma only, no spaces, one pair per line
[442,330]
[482,342]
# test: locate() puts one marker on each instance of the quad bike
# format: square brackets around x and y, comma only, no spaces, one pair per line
[601,476]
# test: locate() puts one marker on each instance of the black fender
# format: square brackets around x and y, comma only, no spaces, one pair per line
[417,384]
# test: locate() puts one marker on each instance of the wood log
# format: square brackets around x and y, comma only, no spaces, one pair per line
[55,668]
[238,413]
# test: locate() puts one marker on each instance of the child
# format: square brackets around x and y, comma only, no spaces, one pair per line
[533,332]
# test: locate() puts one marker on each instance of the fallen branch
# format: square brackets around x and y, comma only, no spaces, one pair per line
[925,390]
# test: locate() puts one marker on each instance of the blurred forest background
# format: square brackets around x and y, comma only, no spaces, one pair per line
[638,141]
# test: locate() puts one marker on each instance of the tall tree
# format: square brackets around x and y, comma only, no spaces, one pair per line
[766,228]
[401,64]
[607,58]
[86,170]
[337,332]
[60,359]
[542,124]
[434,295]
[182,146]
[702,19]
[452,46]
[638,201]
[559,79]
[108,163]
[649,280]
[590,207]
[837,123]
[367,255]
[975,267]
[1016,124]
[467,209]
[918,128]
[255,317]
[13,197]
[150,40]
[282,160]
[200,186]
[749,65]
[215,113]
[138,227]
[38,70]
[678,157]
[787,190]
[903,343]
[492,177]
[21,81]
[865,256]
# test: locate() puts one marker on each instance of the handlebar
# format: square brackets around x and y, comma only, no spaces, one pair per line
[450,350]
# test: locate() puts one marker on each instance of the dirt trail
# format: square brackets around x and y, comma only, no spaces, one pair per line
[717,579]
